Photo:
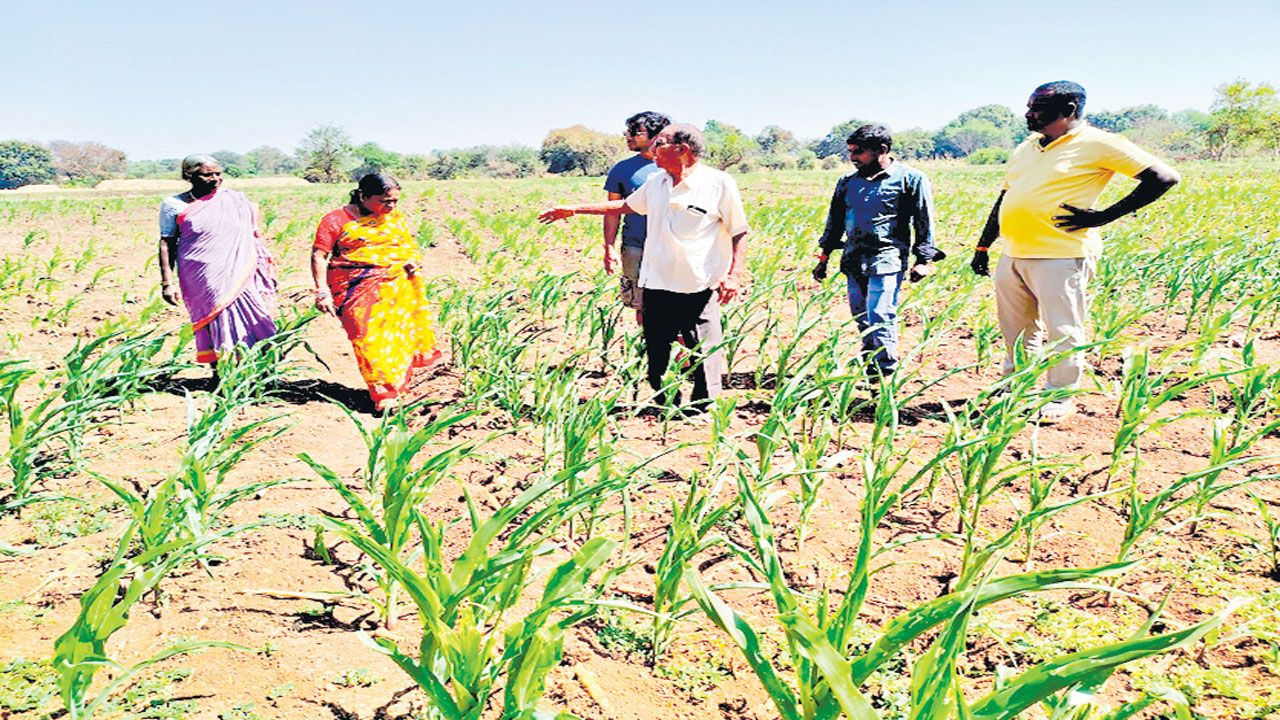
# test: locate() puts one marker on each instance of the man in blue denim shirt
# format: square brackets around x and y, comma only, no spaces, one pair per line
[873,213]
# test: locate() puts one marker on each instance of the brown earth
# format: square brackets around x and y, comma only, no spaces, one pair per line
[247,598]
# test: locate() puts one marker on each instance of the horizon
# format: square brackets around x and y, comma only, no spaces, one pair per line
[251,76]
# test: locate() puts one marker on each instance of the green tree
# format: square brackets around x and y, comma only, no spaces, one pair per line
[24,163]
[267,161]
[1128,118]
[86,163]
[726,145]
[774,140]
[776,148]
[959,140]
[168,168]
[581,151]
[986,126]
[988,156]
[999,115]
[1244,117]
[233,163]
[913,144]
[374,158]
[326,153]
[834,143]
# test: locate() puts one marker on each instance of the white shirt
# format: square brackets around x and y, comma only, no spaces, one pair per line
[690,226]
[170,209]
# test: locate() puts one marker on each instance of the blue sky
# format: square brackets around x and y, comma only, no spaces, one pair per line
[166,79]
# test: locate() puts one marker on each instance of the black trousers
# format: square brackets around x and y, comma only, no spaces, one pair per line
[693,319]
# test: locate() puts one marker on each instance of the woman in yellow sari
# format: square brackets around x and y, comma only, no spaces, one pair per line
[365,265]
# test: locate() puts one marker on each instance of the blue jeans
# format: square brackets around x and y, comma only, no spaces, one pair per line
[873,300]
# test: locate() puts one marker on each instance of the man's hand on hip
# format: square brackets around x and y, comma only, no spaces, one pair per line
[1080,218]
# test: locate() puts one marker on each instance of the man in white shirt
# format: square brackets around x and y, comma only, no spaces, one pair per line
[693,254]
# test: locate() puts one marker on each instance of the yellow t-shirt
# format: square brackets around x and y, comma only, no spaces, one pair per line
[1074,169]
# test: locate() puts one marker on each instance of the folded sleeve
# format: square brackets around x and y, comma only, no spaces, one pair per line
[638,201]
[330,230]
[732,214]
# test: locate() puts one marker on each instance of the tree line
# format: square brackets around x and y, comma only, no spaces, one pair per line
[1243,120]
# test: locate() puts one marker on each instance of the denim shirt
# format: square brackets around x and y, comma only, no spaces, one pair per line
[876,216]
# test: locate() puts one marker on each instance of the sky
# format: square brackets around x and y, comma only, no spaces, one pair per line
[165,79]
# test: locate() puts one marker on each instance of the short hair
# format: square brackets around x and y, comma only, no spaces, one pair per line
[1063,92]
[649,121]
[191,163]
[871,137]
[688,135]
[373,184]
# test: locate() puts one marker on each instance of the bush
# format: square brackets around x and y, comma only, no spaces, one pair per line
[86,163]
[988,156]
[23,163]
[581,151]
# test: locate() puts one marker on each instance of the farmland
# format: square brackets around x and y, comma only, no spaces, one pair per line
[533,535]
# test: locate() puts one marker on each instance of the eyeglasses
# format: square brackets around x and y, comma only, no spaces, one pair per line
[661,141]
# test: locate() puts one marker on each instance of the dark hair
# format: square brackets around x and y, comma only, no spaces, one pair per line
[373,184]
[871,137]
[1063,92]
[649,121]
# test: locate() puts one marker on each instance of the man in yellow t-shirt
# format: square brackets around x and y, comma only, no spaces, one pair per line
[1046,215]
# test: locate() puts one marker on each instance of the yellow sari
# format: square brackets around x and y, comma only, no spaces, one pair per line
[382,303]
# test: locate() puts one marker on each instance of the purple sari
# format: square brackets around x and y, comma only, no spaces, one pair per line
[226,274]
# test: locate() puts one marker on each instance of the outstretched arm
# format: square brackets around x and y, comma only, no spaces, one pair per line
[1152,183]
[560,212]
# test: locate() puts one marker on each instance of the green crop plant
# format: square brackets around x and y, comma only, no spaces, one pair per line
[1269,542]
[1229,448]
[216,443]
[469,639]
[33,434]
[1254,390]
[80,652]
[1145,387]
[115,369]
[251,374]
[155,511]
[399,487]
[827,672]
[691,532]
[1144,513]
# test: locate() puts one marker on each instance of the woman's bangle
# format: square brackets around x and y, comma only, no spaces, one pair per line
[322,293]
[981,249]
[821,256]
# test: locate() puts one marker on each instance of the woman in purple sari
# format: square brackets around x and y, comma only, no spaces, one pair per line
[226,275]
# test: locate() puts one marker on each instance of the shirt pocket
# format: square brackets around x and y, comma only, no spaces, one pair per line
[691,221]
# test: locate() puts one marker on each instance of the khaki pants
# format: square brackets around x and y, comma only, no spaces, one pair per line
[629,278]
[1036,297]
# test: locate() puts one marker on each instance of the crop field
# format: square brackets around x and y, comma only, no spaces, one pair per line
[534,538]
